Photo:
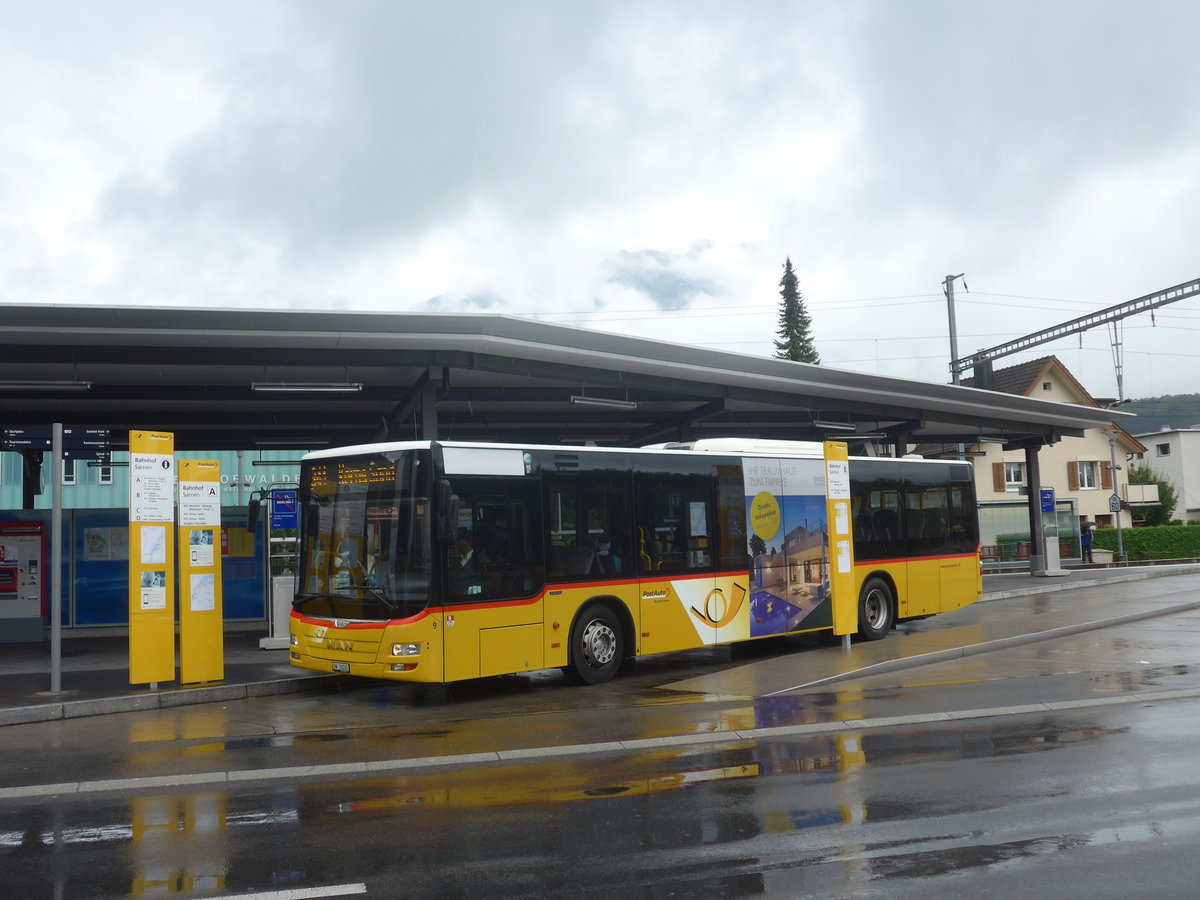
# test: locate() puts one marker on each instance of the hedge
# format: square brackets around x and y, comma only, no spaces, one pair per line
[1153,542]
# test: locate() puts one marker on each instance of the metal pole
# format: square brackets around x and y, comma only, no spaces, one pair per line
[1037,537]
[56,469]
[948,289]
[1116,509]
[239,477]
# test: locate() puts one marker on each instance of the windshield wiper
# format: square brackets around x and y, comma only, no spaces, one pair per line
[374,591]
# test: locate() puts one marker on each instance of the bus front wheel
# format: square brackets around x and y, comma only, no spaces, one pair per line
[597,646]
[876,610]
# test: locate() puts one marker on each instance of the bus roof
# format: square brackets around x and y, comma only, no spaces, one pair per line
[731,446]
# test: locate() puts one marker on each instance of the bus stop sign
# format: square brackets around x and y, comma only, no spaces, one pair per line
[1114,504]
[284,510]
[1047,500]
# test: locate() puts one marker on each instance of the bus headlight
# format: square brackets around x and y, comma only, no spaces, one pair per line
[406,649]
[295,641]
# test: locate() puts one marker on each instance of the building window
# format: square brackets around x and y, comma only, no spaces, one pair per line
[1162,449]
[1014,477]
[1103,521]
[1089,476]
[68,471]
[104,474]
[1047,386]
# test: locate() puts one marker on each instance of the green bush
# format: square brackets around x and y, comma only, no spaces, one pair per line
[1153,542]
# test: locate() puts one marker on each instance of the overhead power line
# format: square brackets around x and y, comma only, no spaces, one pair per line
[1110,316]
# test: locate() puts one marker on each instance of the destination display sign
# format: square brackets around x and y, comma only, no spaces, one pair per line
[40,437]
[368,471]
[86,453]
[84,438]
[27,438]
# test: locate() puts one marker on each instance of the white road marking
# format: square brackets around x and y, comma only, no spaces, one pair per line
[331,890]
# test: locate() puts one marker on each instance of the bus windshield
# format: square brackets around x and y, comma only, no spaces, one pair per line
[365,540]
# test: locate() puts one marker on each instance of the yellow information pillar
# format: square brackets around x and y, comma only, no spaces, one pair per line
[151,557]
[201,631]
[841,538]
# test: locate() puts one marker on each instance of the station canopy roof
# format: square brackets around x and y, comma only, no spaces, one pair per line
[226,379]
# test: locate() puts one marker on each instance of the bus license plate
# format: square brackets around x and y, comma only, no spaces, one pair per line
[342,667]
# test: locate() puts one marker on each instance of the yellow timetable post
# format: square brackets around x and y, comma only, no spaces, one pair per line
[841,538]
[201,618]
[151,557]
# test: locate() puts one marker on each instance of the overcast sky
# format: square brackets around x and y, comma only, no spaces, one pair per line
[636,167]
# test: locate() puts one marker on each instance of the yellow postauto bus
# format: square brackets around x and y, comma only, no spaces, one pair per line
[439,561]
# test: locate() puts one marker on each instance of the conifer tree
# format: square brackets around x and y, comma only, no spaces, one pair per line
[795,327]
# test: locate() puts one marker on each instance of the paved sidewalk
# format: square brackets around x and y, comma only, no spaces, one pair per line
[95,669]
[95,679]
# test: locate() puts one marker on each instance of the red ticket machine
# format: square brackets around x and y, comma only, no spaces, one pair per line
[23,594]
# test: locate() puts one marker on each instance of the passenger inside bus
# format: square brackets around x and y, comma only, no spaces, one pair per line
[606,554]
[461,577]
[493,540]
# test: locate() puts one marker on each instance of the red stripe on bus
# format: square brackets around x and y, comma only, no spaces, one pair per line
[497,604]
[324,620]
[522,601]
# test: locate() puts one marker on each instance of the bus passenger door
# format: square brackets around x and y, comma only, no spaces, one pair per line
[492,577]
[960,564]
[924,528]
[681,604]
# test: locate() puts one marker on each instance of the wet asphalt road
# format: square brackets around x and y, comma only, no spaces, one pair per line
[1080,800]
[1104,803]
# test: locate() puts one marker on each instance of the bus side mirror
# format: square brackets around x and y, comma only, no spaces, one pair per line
[447,512]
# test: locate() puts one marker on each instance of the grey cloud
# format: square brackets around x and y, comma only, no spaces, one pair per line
[663,277]
[988,110]
[385,120]
[381,125]
[463,303]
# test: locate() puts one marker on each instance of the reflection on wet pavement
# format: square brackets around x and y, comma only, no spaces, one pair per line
[728,798]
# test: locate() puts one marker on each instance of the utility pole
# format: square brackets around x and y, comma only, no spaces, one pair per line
[955,370]
[948,290]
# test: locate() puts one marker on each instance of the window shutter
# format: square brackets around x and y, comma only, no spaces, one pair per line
[1105,477]
[998,484]
[1072,476]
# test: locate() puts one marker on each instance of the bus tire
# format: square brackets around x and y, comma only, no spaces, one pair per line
[876,610]
[597,645]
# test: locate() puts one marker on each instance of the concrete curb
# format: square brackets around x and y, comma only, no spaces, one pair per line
[1059,584]
[168,699]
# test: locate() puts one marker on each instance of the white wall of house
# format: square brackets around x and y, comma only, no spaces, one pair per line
[1174,453]
[1077,468]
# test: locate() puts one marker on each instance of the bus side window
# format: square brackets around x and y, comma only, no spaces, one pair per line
[589,535]
[676,531]
[875,496]
[497,549]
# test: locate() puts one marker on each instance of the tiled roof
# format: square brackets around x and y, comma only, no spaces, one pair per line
[1023,378]
[1018,379]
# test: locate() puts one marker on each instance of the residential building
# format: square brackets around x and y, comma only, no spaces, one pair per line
[1174,454]
[1078,469]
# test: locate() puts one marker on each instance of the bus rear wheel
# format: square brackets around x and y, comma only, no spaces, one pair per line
[876,610]
[597,646]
